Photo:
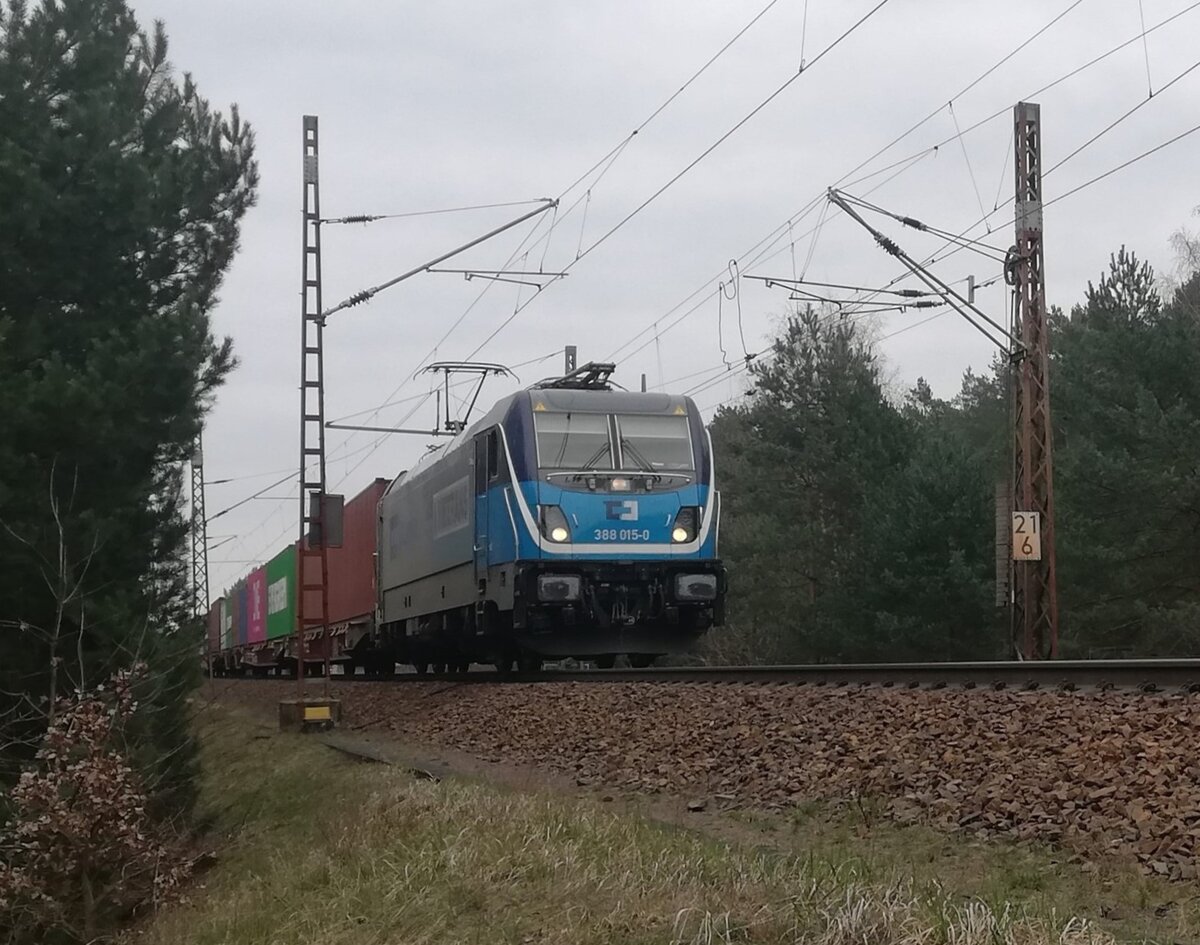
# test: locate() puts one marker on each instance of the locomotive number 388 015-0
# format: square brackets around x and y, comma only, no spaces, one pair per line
[621,534]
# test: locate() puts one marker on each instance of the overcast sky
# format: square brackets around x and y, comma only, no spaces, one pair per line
[437,105]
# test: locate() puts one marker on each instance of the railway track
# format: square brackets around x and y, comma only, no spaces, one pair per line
[989,748]
[1161,675]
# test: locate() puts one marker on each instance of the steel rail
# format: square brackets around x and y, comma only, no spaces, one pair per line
[1146,675]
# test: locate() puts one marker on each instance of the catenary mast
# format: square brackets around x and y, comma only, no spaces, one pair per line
[1034,575]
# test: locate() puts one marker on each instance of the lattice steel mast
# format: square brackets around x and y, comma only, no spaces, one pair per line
[1034,580]
[199,534]
[312,565]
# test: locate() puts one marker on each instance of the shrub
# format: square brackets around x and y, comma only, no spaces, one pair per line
[79,852]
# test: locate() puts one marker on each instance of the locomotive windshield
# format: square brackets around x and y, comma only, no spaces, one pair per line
[655,443]
[573,441]
[584,441]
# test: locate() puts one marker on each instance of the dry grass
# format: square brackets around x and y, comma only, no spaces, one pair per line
[1040,879]
[394,859]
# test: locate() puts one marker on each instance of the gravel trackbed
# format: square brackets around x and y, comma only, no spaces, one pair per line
[1113,773]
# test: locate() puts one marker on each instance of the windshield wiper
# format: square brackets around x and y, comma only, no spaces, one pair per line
[629,450]
[594,458]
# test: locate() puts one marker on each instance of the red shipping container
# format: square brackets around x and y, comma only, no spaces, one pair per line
[352,566]
[213,624]
[256,606]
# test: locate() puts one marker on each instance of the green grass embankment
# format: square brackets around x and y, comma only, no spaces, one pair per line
[314,847]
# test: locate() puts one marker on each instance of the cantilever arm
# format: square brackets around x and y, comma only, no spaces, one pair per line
[367,294]
[964,308]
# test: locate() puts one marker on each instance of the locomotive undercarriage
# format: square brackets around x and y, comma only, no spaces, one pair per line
[587,609]
[584,610]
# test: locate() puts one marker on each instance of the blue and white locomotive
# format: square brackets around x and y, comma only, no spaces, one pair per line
[572,520]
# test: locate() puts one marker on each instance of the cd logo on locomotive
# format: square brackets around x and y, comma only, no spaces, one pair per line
[626,511]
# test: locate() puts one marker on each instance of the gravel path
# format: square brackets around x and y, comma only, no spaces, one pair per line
[1098,773]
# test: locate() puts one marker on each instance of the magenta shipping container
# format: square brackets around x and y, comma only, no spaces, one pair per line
[239,596]
[256,606]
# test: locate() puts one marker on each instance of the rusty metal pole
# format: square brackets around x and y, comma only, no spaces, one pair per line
[1034,584]
[312,571]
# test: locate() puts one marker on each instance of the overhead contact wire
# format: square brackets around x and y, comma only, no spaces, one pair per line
[754,111]
[1082,147]
[1123,165]
[606,162]
[1096,137]
[707,151]
[1085,184]
[963,91]
[1007,109]
[696,161]
[907,162]
[762,252]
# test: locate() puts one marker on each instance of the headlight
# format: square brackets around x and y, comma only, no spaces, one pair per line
[684,529]
[554,523]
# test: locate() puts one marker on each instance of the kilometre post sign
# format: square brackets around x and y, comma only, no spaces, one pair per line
[1027,536]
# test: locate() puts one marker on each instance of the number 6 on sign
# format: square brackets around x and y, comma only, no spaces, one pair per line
[1027,536]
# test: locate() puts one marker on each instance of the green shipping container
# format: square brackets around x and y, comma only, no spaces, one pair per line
[281,593]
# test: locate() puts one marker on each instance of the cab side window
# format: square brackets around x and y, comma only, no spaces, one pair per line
[493,456]
[481,464]
[490,464]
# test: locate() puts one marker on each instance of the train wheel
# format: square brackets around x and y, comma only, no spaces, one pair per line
[504,666]
[529,664]
[421,668]
[641,660]
[607,661]
[439,668]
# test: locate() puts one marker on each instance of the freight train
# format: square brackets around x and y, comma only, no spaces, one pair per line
[571,520]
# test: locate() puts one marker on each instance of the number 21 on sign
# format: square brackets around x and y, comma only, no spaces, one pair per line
[1027,536]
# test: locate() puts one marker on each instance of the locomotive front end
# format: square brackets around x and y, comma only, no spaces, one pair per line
[571,520]
[625,522]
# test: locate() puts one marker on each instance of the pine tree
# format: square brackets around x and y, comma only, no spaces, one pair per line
[931,558]
[855,528]
[1127,415]
[798,465]
[121,194]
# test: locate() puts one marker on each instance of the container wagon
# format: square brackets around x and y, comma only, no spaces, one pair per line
[258,613]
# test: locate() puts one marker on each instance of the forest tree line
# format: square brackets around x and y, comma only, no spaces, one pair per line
[858,525]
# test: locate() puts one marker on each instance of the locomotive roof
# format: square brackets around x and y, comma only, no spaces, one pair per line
[556,400]
[605,401]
